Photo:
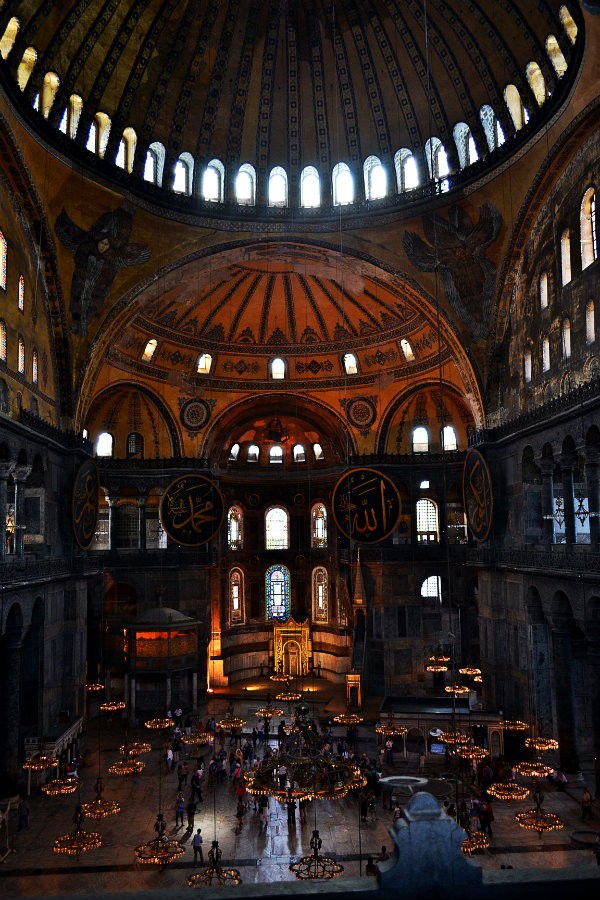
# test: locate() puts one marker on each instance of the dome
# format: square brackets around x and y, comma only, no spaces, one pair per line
[287,90]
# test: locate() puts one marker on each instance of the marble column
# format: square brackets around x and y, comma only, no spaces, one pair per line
[11,711]
[112,521]
[20,475]
[6,467]
[563,692]
[593,670]
[592,476]
[547,469]
[566,464]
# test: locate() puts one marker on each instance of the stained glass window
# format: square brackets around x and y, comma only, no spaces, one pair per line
[277,590]
[277,528]
[235,522]
[2,341]
[34,367]
[320,594]
[21,293]
[21,360]
[236,598]
[3,255]
[318,526]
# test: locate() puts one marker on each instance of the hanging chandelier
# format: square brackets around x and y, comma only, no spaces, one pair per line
[135,749]
[39,762]
[471,671]
[78,841]
[471,752]
[59,787]
[94,687]
[316,865]
[508,790]
[348,718]
[214,873]
[278,675]
[533,769]
[513,725]
[454,737]
[476,840]
[438,663]
[230,720]
[541,744]
[112,705]
[197,738]
[289,696]
[456,689]
[538,819]
[160,851]
[391,727]
[159,724]
[127,767]
[100,808]
[269,711]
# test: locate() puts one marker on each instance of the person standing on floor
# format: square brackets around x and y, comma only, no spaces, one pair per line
[191,813]
[179,808]
[197,845]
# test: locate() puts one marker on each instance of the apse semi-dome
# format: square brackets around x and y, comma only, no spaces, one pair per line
[296,103]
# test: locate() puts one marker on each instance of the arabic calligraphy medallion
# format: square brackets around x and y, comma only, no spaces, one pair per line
[366,505]
[191,510]
[477,495]
[84,505]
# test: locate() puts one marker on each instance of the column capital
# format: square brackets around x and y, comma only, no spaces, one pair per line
[6,468]
[21,473]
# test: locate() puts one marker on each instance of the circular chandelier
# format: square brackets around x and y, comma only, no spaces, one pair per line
[391,728]
[348,718]
[533,769]
[78,841]
[39,762]
[229,720]
[471,671]
[198,738]
[94,687]
[438,663]
[112,705]
[289,696]
[454,737]
[159,724]
[472,752]
[269,711]
[513,725]
[476,840]
[541,744]
[135,749]
[456,689]
[160,851]
[127,767]
[214,873]
[508,790]
[316,865]
[59,787]
[100,808]
[538,819]
[278,674]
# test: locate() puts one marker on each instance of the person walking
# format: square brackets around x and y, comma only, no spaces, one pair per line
[179,808]
[191,813]
[197,845]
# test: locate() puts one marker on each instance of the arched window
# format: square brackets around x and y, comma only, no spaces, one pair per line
[4,397]
[566,339]
[213,181]
[318,527]
[536,82]
[342,185]
[21,294]
[590,322]
[33,406]
[253,453]
[276,454]
[9,37]
[183,174]
[245,185]
[491,126]
[320,594]
[427,522]
[568,23]
[104,444]
[73,114]
[310,188]
[3,260]
[543,286]
[449,440]
[235,528]
[34,366]
[3,340]
[565,256]
[350,364]
[234,452]
[28,61]
[545,354]
[527,365]
[407,173]
[236,596]
[204,364]
[299,453]
[555,56]
[465,144]
[126,151]
[514,104]
[437,161]
[278,187]
[318,451]
[277,369]
[375,178]
[21,356]
[98,135]
[407,350]
[432,588]
[277,591]
[420,440]
[277,528]
[587,222]
[135,445]
[155,163]
[149,350]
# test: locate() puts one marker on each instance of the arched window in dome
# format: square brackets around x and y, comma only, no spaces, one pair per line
[568,23]
[299,453]
[34,366]
[126,151]
[235,528]
[342,185]
[465,145]
[555,55]
[276,454]
[277,528]
[7,41]
[375,178]
[21,294]
[590,322]
[149,350]
[407,173]
[3,340]
[318,527]
[427,522]
[543,290]
[545,353]
[420,440]
[527,365]
[437,160]
[587,224]
[277,591]
[98,135]
[28,61]
[3,260]
[204,364]
[310,188]
[213,181]
[432,588]
[253,453]
[155,163]
[407,350]
[536,82]
[514,104]
[245,185]
[234,452]
[277,369]
[449,439]
[105,444]
[566,339]
[236,596]
[183,174]
[21,356]
[278,187]
[318,451]
[320,594]
[491,126]
[62,125]
[350,364]
[50,86]
[135,445]
[33,406]
[74,108]
[565,256]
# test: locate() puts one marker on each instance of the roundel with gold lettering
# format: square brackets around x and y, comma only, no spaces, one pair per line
[477,495]
[84,506]
[366,505]
[191,510]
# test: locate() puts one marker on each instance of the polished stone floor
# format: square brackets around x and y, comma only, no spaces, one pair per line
[261,854]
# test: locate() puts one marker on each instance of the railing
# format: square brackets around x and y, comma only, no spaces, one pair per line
[560,558]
